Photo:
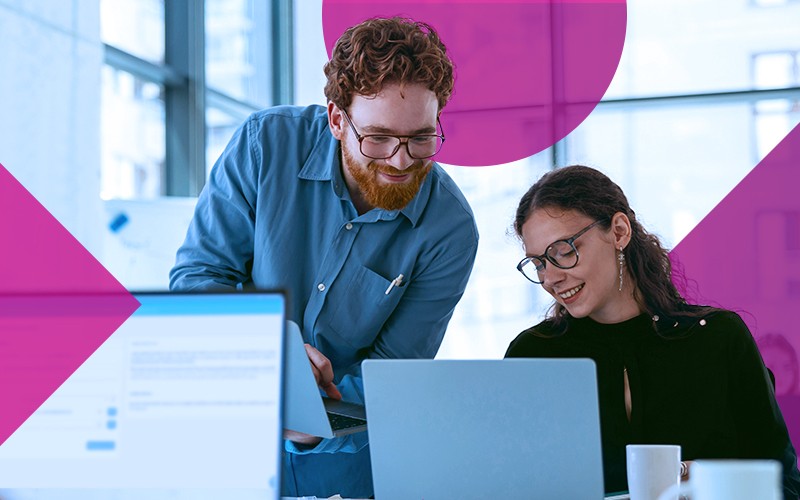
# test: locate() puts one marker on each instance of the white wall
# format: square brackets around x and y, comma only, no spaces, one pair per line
[50,62]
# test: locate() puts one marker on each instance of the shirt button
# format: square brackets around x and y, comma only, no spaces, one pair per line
[348,226]
[321,287]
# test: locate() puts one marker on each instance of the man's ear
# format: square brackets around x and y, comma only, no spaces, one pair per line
[336,121]
[621,230]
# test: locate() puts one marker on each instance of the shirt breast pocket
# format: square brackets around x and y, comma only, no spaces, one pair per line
[363,305]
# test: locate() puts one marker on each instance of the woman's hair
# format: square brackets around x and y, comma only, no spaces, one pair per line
[593,194]
[379,51]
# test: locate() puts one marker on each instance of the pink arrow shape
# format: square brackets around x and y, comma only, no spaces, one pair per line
[745,255]
[58,304]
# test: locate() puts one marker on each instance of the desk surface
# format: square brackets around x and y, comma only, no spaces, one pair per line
[621,495]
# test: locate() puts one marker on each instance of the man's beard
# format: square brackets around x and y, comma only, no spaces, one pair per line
[389,196]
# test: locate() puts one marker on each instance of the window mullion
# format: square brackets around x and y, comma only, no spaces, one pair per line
[282,52]
[185,103]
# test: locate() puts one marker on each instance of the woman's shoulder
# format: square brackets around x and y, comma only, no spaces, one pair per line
[536,338]
[726,326]
[710,322]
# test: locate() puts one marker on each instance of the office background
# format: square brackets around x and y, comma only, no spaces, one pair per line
[114,111]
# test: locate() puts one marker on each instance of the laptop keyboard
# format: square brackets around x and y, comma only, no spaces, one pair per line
[339,422]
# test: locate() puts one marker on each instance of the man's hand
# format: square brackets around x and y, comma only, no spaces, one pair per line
[299,437]
[323,372]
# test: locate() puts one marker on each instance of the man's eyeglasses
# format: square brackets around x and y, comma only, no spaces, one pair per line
[383,146]
[561,253]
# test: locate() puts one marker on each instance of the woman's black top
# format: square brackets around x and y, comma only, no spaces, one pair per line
[696,382]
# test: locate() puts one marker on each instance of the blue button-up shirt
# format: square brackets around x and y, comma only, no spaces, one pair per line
[276,213]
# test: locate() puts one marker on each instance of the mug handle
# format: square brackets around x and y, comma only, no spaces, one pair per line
[681,489]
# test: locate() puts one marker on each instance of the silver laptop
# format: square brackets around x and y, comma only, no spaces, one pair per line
[305,409]
[516,428]
[183,398]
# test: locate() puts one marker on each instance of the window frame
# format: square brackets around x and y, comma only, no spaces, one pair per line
[186,93]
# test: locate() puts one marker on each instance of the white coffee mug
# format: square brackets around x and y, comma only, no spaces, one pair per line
[652,469]
[731,480]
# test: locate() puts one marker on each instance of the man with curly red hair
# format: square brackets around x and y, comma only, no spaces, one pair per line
[344,208]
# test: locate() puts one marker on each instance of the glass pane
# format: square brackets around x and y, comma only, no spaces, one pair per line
[220,127]
[675,164]
[774,70]
[135,26]
[133,136]
[773,121]
[699,46]
[238,49]
[498,302]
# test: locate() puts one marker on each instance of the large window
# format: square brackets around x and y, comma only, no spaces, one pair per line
[774,117]
[704,90]
[179,77]
[133,107]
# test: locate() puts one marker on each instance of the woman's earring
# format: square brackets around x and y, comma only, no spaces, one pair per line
[621,266]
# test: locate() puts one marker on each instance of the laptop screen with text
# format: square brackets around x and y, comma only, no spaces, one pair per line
[184,395]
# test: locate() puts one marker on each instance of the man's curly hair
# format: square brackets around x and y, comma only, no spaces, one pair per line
[380,51]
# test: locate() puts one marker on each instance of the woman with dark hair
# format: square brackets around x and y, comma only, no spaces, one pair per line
[668,372]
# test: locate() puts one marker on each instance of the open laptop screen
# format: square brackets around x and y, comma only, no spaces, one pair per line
[511,428]
[184,395]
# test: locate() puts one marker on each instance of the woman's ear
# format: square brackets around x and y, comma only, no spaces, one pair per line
[620,230]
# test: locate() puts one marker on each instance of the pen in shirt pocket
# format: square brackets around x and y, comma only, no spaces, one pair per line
[397,282]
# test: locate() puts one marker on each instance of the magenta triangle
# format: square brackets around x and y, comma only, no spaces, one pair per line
[745,256]
[58,304]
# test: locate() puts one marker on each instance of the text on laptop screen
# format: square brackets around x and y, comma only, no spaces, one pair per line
[185,394]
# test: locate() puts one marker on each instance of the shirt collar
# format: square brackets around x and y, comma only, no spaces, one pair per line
[323,158]
[323,165]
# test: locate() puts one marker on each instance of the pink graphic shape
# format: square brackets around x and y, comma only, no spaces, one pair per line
[527,71]
[58,304]
[745,256]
